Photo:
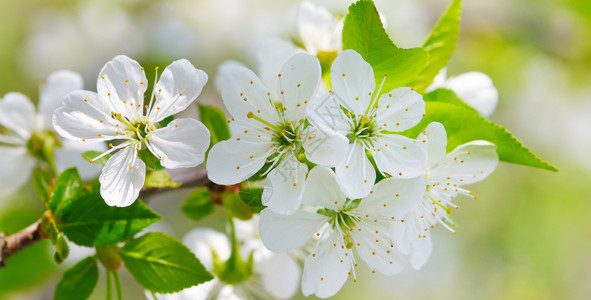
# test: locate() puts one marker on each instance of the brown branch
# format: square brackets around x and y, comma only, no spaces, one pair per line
[12,244]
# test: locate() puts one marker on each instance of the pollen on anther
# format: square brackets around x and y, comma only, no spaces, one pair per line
[85,99]
[126,80]
[282,92]
[237,167]
[176,125]
[343,74]
[130,167]
[313,254]
[108,94]
[180,94]
[100,134]
[279,75]
[299,85]
[141,82]
[110,144]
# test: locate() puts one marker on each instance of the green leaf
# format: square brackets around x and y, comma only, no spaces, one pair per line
[78,281]
[464,125]
[66,188]
[440,44]
[42,183]
[199,204]
[363,32]
[88,221]
[62,250]
[162,264]
[235,207]
[166,120]
[253,198]
[151,161]
[215,120]
[160,179]
[90,155]
[447,96]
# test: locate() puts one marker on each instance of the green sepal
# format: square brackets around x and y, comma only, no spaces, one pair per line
[235,207]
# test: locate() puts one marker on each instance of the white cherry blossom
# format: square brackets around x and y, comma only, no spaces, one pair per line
[268,136]
[319,29]
[344,230]
[118,113]
[444,177]
[275,276]
[370,121]
[20,123]
[474,88]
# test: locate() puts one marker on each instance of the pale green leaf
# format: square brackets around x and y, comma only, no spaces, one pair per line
[440,44]
[160,179]
[464,125]
[363,32]
[199,204]
[90,155]
[162,264]
[215,120]
[66,188]
[78,281]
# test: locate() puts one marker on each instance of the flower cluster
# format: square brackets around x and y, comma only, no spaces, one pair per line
[386,190]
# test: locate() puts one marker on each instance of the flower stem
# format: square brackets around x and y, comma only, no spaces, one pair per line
[109,291]
[118,285]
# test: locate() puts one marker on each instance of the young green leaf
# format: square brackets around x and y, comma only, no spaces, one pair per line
[42,183]
[160,179]
[66,188]
[90,155]
[88,221]
[198,205]
[440,44]
[62,250]
[447,96]
[253,198]
[78,281]
[464,125]
[215,120]
[363,32]
[163,264]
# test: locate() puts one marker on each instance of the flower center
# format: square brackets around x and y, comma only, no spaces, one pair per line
[364,130]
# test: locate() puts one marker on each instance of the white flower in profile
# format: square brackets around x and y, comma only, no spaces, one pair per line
[275,276]
[370,123]
[117,112]
[319,29]
[474,88]
[267,135]
[21,127]
[344,229]
[444,176]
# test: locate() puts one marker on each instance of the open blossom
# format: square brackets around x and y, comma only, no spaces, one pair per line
[370,123]
[474,88]
[274,276]
[269,135]
[117,112]
[444,176]
[345,230]
[20,124]
[319,29]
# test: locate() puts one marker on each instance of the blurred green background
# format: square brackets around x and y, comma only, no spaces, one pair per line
[525,237]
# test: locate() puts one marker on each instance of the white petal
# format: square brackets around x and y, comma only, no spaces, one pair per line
[300,77]
[123,79]
[222,78]
[323,190]
[233,161]
[356,174]
[69,155]
[315,24]
[326,270]
[352,81]
[283,186]
[400,156]
[57,85]
[202,241]
[280,275]
[243,84]
[400,109]
[280,233]
[122,178]
[436,144]
[18,114]
[477,90]
[406,237]
[323,145]
[17,166]
[80,118]
[325,111]
[394,197]
[178,86]
[468,163]
[376,248]
[271,56]
[181,144]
